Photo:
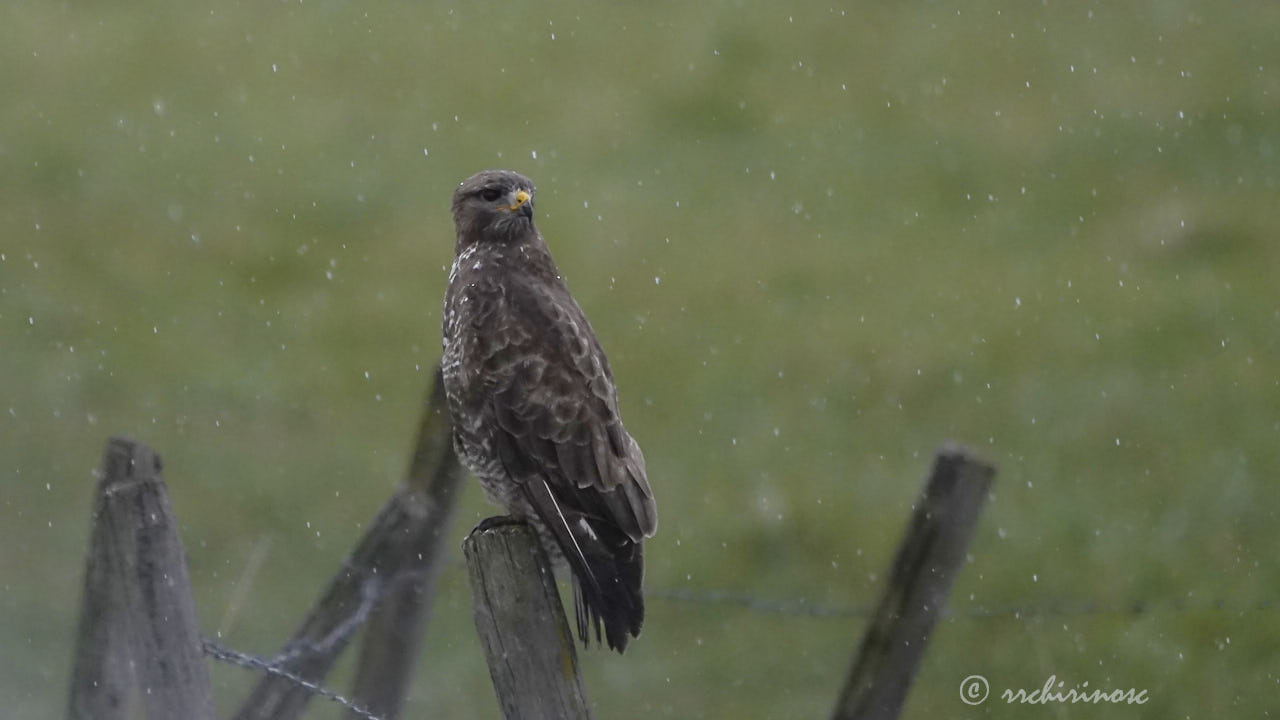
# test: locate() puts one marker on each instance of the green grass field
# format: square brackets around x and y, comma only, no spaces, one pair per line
[817,242]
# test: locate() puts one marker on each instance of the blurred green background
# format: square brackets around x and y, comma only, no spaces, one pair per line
[816,240]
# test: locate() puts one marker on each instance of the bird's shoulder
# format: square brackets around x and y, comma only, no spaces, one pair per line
[508,287]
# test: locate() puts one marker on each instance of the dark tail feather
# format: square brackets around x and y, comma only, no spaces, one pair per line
[616,603]
[608,569]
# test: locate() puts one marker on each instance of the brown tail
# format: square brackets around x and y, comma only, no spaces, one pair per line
[615,601]
[608,569]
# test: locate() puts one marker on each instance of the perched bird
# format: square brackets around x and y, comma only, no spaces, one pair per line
[534,406]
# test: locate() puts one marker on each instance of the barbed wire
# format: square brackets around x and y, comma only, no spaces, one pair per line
[806,608]
[234,657]
[788,607]
[802,607]
[370,591]
[799,607]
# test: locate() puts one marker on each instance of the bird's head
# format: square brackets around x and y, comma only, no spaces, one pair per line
[493,205]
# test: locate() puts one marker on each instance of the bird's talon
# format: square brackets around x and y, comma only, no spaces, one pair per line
[497,521]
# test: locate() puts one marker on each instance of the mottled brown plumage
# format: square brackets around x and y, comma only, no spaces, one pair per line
[535,408]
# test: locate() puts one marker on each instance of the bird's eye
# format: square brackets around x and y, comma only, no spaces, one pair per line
[490,194]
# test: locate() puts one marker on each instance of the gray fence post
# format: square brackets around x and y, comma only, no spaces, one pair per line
[919,580]
[137,600]
[522,627]
[388,556]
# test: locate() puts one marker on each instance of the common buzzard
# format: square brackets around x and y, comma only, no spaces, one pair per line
[535,410]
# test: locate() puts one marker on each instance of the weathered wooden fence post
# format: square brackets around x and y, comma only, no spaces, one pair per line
[394,633]
[137,608]
[522,627]
[138,630]
[923,570]
[400,552]
[102,676]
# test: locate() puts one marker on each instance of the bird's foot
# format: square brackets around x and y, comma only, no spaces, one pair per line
[497,521]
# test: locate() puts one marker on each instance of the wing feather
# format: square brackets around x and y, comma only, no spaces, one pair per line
[559,435]
[559,405]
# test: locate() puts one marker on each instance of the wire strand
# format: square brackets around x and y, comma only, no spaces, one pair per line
[245,660]
[801,607]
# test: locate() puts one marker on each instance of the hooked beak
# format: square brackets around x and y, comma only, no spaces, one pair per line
[522,203]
